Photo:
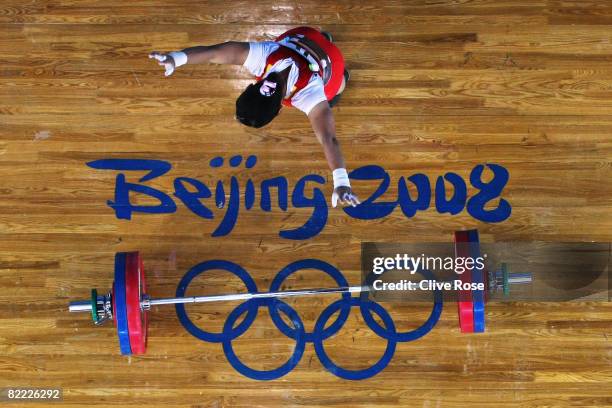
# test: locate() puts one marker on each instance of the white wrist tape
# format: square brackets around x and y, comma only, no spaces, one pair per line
[341,178]
[180,58]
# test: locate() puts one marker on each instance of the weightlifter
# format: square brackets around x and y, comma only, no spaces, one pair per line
[302,68]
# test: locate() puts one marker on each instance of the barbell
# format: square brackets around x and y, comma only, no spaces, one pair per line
[128,304]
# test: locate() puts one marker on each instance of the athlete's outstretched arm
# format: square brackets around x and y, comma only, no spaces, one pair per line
[322,121]
[232,52]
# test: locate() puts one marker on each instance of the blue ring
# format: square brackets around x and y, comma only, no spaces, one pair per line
[425,328]
[310,264]
[273,374]
[226,334]
[354,374]
[229,333]
[120,311]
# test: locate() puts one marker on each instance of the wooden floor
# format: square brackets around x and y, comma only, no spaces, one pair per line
[436,86]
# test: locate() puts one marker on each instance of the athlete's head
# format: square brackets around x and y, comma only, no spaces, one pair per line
[260,102]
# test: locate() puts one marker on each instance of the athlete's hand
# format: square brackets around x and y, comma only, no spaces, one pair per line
[165,60]
[345,196]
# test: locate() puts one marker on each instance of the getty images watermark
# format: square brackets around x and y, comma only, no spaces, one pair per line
[505,271]
[412,264]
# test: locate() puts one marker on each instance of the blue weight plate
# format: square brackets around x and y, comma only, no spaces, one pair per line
[120,313]
[478,276]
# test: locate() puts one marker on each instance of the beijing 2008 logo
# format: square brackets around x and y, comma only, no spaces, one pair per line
[415,194]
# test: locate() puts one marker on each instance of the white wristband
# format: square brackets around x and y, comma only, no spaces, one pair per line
[341,178]
[179,57]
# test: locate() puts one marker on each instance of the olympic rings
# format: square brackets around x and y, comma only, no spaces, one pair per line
[331,271]
[300,345]
[202,334]
[355,374]
[413,334]
[297,332]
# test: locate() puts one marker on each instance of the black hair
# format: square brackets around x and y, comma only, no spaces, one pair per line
[256,107]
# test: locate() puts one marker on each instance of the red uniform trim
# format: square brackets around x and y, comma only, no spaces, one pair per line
[332,85]
[304,72]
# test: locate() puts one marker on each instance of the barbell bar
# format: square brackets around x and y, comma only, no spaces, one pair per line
[146,303]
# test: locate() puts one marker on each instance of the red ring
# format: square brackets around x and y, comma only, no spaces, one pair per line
[136,317]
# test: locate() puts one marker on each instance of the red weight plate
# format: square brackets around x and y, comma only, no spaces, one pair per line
[465,302]
[137,322]
[143,291]
[466,316]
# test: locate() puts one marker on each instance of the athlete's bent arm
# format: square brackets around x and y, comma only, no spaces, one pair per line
[320,116]
[232,52]
[324,126]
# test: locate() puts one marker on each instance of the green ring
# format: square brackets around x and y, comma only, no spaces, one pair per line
[94,306]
